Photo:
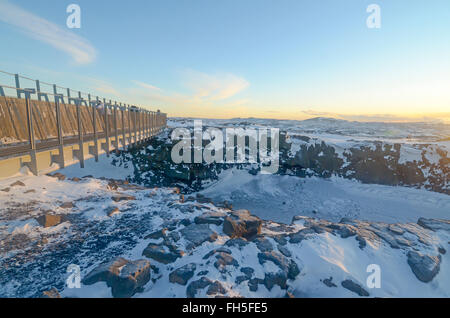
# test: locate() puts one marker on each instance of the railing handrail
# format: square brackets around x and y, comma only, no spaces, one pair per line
[37,91]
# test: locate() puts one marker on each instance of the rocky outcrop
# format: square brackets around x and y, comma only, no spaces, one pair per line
[425,267]
[242,224]
[368,161]
[123,276]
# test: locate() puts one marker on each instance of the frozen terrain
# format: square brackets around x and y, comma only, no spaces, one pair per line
[304,235]
[157,243]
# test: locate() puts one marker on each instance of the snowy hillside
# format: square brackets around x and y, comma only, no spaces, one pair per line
[177,246]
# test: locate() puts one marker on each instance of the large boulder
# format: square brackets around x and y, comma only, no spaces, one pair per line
[242,224]
[183,274]
[123,276]
[434,224]
[161,253]
[49,220]
[425,267]
[288,266]
[354,287]
[197,234]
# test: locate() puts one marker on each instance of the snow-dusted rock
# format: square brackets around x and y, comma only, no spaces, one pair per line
[161,253]
[183,274]
[354,287]
[425,267]
[123,276]
[197,234]
[242,224]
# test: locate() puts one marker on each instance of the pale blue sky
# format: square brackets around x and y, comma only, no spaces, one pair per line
[211,58]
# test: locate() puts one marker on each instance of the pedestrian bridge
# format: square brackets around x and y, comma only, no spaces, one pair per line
[45,131]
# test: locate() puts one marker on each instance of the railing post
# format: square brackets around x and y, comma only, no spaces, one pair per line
[68,96]
[18,90]
[105,108]
[60,134]
[135,128]
[129,127]
[38,90]
[115,128]
[124,140]
[94,125]
[33,165]
[80,133]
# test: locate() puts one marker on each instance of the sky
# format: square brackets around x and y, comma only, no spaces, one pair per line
[284,59]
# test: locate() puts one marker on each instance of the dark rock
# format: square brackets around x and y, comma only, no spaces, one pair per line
[210,218]
[202,273]
[217,250]
[236,242]
[49,220]
[354,287]
[280,239]
[328,282]
[67,205]
[248,271]
[242,224]
[223,260]
[253,284]
[283,250]
[240,279]
[263,244]
[6,189]
[272,279]
[216,288]
[425,267]
[193,287]
[183,274]
[59,176]
[442,250]
[110,211]
[299,236]
[185,222]
[75,179]
[197,234]
[434,224]
[288,266]
[157,234]
[123,276]
[160,254]
[123,197]
[17,184]
[30,191]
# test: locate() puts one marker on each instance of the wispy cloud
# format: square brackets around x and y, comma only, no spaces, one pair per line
[147,86]
[214,87]
[81,51]
[203,90]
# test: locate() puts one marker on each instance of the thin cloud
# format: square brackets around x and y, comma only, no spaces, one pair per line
[147,86]
[80,50]
[214,87]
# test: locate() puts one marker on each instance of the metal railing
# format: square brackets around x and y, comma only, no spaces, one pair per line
[95,118]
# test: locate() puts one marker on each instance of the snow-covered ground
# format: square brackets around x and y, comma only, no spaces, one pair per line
[279,198]
[35,258]
[182,243]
